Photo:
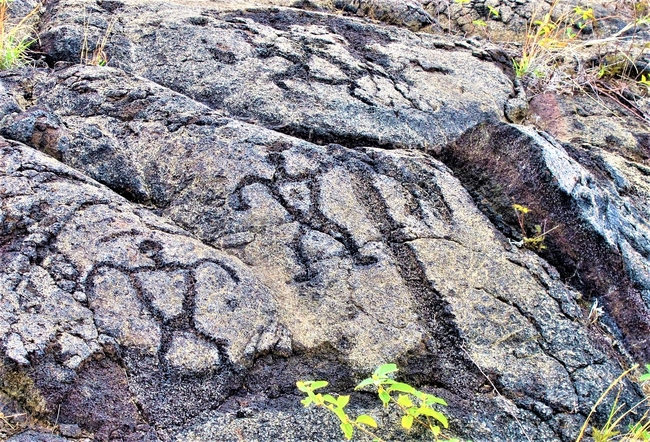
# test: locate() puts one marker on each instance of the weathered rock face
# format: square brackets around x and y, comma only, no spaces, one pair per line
[320,77]
[603,242]
[232,208]
[374,254]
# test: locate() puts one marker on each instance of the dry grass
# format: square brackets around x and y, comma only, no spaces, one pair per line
[557,56]
[15,39]
[98,56]
[613,429]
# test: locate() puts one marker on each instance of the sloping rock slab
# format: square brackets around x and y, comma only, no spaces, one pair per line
[86,275]
[337,260]
[599,208]
[320,77]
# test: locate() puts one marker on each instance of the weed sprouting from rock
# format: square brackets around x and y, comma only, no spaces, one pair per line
[416,407]
[536,240]
[15,39]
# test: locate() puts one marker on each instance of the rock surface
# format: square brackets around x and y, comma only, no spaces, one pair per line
[254,195]
[316,76]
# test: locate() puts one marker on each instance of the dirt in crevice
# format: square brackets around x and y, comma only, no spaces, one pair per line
[500,166]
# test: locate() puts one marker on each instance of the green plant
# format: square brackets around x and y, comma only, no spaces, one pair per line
[416,407]
[645,81]
[493,11]
[336,406]
[646,376]
[536,241]
[639,431]
[15,39]
[547,37]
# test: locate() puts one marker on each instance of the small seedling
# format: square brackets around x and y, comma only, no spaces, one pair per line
[645,81]
[337,406]
[416,406]
[493,11]
[585,14]
[535,242]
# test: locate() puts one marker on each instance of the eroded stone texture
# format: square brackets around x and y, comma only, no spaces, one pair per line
[603,236]
[118,312]
[166,291]
[191,353]
[364,255]
[239,258]
[72,282]
[317,76]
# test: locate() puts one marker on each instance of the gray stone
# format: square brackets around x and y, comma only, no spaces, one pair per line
[70,430]
[603,233]
[191,353]
[320,77]
[34,436]
[247,197]
[166,291]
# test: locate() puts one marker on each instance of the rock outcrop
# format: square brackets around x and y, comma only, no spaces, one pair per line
[252,196]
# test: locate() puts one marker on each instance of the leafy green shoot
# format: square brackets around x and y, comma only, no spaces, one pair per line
[337,405]
[417,407]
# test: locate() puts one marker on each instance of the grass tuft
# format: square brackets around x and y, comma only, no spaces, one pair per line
[15,39]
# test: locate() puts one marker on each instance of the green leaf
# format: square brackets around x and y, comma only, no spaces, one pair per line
[400,386]
[368,381]
[404,401]
[306,401]
[331,399]
[383,370]
[338,412]
[343,401]
[315,385]
[519,207]
[385,397]
[426,411]
[646,376]
[367,420]
[431,399]
[407,422]
[348,430]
